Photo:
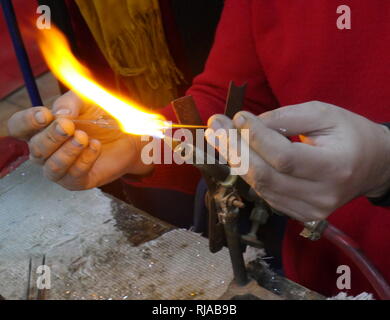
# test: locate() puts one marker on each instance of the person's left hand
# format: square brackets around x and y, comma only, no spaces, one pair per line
[74,153]
[342,155]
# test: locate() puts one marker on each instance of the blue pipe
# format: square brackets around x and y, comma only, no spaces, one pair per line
[21,53]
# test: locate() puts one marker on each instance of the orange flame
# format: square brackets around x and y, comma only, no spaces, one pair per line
[131,117]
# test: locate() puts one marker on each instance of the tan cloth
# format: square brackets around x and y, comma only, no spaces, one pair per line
[130,35]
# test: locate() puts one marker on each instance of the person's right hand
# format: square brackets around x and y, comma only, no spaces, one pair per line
[341,156]
[76,156]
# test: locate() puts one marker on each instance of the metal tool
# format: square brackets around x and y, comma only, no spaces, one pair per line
[113,124]
[223,198]
[226,193]
[227,205]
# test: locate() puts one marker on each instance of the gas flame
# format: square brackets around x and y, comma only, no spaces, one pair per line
[131,117]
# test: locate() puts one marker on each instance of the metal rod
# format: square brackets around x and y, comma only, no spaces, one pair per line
[41,295]
[235,250]
[189,126]
[21,53]
[29,271]
[112,124]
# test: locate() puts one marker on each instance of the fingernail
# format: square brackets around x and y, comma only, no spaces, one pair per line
[208,133]
[93,145]
[40,117]
[216,124]
[239,120]
[211,137]
[76,142]
[63,112]
[60,130]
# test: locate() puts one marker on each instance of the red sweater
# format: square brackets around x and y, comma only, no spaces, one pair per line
[289,52]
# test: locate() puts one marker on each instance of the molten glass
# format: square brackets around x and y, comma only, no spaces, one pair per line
[131,117]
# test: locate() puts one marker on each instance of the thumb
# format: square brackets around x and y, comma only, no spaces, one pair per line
[300,118]
[68,105]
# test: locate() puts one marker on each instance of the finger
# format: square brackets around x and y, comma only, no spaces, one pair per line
[82,166]
[60,161]
[264,179]
[68,105]
[286,194]
[45,143]
[260,174]
[219,121]
[281,191]
[296,159]
[24,124]
[217,134]
[294,197]
[300,119]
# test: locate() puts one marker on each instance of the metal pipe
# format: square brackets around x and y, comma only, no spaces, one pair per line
[234,244]
[21,53]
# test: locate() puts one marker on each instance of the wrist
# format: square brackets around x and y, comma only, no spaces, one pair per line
[137,166]
[381,185]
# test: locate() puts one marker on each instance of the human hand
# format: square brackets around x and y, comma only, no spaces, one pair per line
[341,156]
[76,155]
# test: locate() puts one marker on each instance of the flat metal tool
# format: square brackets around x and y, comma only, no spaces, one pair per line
[235,99]
[186,111]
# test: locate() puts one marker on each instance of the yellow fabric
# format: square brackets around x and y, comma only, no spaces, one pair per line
[130,35]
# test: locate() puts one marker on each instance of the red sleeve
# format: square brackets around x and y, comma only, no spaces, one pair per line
[233,57]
